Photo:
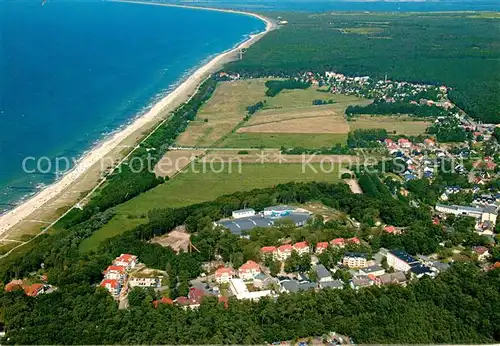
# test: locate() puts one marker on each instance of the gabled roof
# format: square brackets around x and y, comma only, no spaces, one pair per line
[163,300]
[338,241]
[249,265]
[284,248]
[126,258]
[354,240]
[322,245]
[300,245]
[390,229]
[14,285]
[114,268]
[268,249]
[223,270]
[110,282]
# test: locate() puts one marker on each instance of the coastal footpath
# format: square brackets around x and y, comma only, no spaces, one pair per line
[73,188]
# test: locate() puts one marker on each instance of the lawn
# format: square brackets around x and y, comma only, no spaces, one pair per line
[190,187]
[400,124]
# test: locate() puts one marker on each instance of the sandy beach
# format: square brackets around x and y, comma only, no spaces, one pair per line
[130,136]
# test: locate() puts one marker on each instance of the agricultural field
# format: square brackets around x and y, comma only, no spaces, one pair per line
[313,119]
[277,140]
[403,125]
[222,112]
[200,185]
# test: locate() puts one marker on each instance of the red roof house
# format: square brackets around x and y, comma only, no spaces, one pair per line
[301,247]
[338,242]
[284,251]
[223,275]
[163,300]
[354,240]
[320,247]
[248,270]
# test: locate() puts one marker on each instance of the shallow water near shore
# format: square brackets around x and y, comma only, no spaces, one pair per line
[74,72]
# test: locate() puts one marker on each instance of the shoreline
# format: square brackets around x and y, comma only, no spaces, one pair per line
[151,119]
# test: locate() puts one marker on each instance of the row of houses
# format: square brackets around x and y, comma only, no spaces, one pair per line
[281,253]
[116,274]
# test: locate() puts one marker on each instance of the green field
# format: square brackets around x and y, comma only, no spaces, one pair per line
[189,188]
[277,140]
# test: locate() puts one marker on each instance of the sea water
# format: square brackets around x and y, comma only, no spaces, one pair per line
[73,72]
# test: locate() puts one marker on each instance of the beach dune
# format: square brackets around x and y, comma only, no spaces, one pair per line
[154,116]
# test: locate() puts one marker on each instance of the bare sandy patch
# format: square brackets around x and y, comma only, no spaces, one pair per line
[177,240]
[174,161]
[322,124]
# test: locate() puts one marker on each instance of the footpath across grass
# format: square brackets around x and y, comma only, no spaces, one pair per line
[191,187]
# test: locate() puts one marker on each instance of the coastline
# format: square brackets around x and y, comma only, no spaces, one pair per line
[138,130]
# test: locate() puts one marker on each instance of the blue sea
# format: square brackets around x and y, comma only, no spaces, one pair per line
[73,72]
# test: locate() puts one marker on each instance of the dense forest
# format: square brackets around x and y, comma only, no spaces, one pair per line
[455,50]
[274,87]
[381,108]
[458,307]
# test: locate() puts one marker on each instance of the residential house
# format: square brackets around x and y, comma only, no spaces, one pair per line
[398,278]
[301,248]
[126,260]
[358,282]
[283,252]
[321,247]
[404,143]
[374,270]
[418,270]
[392,230]
[193,300]
[354,260]
[261,280]
[163,300]
[481,252]
[115,272]
[268,251]
[112,285]
[335,284]
[248,270]
[322,273]
[338,242]
[294,286]
[223,275]
[354,240]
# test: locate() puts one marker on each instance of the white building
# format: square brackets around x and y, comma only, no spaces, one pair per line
[112,285]
[488,213]
[400,260]
[126,260]
[115,272]
[240,290]
[237,214]
[223,275]
[248,270]
[354,260]
[144,282]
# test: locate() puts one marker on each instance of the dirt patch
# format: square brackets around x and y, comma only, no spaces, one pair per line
[177,240]
[354,186]
[174,161]
[325,124]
